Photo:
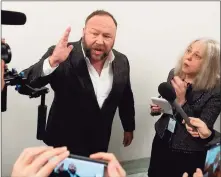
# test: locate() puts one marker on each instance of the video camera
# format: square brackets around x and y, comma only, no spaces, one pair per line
[13,78]
[10,18]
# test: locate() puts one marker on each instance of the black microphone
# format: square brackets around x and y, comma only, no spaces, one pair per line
[13,18]
[167,91]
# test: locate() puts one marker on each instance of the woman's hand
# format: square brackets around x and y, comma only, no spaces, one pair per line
[155,109]
[180,88]
[202,130]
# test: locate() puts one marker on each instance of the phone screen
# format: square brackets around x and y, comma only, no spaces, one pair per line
[212,165]
[76,167]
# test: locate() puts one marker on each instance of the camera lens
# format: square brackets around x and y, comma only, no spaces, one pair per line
[6,54]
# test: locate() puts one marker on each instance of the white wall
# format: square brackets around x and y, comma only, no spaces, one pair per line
[151,34]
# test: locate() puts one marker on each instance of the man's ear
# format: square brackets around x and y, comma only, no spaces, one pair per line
[83,31]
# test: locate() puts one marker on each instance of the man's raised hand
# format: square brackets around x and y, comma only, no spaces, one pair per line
[62,50]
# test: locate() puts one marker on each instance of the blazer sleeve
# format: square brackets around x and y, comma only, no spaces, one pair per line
[34,73]
[126,106]
[210,113]
[211,109]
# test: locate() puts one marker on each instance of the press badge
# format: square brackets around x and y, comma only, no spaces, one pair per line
[171,125]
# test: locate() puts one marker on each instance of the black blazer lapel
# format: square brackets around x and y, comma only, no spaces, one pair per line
[80,70]
[119,82]
[116,78]
[120,74]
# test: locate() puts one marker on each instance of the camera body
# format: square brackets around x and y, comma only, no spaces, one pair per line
[6,53]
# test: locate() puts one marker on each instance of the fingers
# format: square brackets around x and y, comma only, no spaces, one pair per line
[112,170]
[29,154]
[189,128]
[194,134]
[103,156]
[51,164]
[128,137]
[175,86]
[192,131]
[115,170]
[44,157]
[178,84]
[178,81]
[185,174]
[66,35]
[129,142]
[196,122]
[155,108]
[126,142]
[198,173]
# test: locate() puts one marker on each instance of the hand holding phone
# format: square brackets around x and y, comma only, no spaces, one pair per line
[114,168]
[38,161]
[202,130]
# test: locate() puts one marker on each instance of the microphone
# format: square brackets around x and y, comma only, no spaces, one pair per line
[167,91]
[13,18]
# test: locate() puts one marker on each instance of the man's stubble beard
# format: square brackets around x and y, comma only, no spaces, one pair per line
[87,50]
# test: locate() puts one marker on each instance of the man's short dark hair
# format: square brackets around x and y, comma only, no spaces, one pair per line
[101,12]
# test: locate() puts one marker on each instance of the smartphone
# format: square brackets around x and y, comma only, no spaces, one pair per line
[212,165]
[79,166]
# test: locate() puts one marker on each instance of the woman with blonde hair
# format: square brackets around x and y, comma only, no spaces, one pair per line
[196,81]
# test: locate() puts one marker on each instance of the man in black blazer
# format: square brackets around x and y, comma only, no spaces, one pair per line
[90,80]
